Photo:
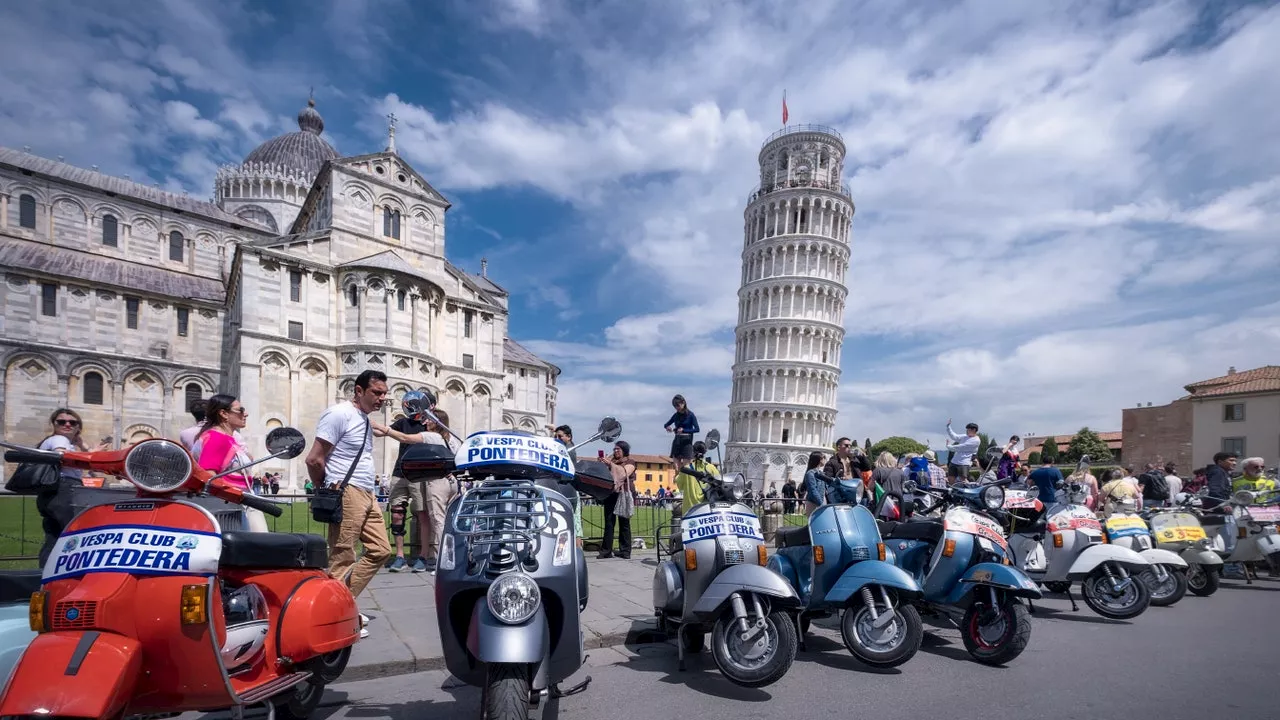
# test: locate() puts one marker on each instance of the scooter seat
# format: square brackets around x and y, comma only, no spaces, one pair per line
[17,585]
[929,530]
[273,550]
[796,536]
[1213,519]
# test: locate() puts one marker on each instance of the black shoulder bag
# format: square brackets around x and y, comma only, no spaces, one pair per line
[31,478]
[326,503]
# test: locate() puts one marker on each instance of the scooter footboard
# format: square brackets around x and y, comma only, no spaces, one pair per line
[74,674]
[744,578]
[872,572]
[492,641]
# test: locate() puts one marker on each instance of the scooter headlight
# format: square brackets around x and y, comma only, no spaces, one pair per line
[738,486]
[993,497]
[514,598]
[158,466]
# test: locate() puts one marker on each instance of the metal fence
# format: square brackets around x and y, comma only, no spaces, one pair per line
[22,533]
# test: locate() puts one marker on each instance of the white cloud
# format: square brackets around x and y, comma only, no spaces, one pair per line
[184,119]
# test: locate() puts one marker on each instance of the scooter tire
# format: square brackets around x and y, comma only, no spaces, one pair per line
[506,692]
[773,670]
[300,702]
[912,636]
[1015,639]
[330,666]
[1203,581]
[1138,607]
[1179,586]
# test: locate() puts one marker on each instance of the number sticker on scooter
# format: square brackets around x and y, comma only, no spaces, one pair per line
[134,549]
[960,520]
[1180,533]
[720,522]
[1021,499]
[1264,514]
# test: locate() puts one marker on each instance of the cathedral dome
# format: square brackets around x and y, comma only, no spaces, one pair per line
[304,150]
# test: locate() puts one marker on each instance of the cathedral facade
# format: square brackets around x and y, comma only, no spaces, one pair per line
[126,303]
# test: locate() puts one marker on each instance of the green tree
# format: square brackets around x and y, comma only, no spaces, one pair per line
[1087,442]
[1034,457]
[897,445]
[984,444]
[1049,450]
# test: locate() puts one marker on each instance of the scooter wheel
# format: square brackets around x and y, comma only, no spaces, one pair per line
[300,702]
[1131,602]
[731,655]
[895,646]
[1012,632]
[506,692]
[1202,581]
[330,666]
[1170,591]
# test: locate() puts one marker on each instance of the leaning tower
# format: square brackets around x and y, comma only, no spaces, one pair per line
[795,254]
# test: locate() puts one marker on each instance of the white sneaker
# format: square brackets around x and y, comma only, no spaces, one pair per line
[364,626]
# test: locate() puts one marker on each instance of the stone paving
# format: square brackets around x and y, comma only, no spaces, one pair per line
[404,636]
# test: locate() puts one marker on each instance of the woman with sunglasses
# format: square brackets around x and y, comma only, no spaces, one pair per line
[221,449]
[54,503]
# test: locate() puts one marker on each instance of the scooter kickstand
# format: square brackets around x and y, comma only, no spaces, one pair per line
[556,692]
[1031,607]
[680,648]
[799,633]
[1074,607]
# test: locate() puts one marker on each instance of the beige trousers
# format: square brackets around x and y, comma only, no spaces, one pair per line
[436,498]
[361,520]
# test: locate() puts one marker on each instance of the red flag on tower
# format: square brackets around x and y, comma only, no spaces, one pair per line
[785,115]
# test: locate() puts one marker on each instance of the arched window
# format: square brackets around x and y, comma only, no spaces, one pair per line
[92,385]
[110,230]
[27,212]
[400,296]
[390,222]
[354,295]
[193,393]
[176,246]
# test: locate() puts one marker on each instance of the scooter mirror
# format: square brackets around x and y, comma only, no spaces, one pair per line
[910,486]
[286,442]
[712,440]
[610,429]
[994,453]
[1244,497]
[417,402]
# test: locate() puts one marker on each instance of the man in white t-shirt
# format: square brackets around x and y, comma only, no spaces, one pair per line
[188,435]
[344,445]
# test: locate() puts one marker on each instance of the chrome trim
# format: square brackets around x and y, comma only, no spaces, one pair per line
[217,646]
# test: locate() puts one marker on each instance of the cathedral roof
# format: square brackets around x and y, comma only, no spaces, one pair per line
[303,150]
[514,352]
[95,180]
[99,271]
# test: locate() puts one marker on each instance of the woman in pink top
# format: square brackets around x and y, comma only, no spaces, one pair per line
[220,449]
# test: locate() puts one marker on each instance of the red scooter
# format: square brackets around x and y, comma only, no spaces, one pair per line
[146,608]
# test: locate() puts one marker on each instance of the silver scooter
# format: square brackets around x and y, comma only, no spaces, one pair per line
[716,579]
[511,579]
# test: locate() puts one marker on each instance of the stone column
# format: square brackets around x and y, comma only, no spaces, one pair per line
[117,405]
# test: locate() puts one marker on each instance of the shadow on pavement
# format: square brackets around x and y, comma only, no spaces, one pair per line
[833,654]
[1084,615]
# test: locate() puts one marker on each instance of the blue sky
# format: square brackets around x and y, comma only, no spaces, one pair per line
[1064,208]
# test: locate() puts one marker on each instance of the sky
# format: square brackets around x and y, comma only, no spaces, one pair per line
[1063,208]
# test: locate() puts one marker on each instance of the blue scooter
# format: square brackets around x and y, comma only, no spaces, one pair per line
[836,564]
[964,566]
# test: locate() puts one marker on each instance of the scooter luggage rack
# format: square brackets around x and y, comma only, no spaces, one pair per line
[483,519]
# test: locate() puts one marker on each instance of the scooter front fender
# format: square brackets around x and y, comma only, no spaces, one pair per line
[1095,555]
[1003,577]
[748,579]
[1268,545]
[872,572]
[492,641]
[1196,556]
[83,673]
[1157,556]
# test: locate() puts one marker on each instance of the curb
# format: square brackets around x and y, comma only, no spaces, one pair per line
[392,668]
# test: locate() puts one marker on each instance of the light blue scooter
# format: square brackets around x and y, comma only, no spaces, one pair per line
[836,564]
[963,564]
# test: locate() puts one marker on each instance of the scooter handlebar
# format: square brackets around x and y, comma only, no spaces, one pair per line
[262,504]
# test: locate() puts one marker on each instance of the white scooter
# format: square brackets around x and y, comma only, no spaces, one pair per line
[1167,576]
[1063,543]
[1258,537]
[1179,530]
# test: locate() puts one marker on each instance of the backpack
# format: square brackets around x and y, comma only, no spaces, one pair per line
[918,470]
[1154,486]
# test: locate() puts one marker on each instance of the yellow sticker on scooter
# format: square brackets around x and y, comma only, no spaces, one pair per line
[1126,523]
[1180,533]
